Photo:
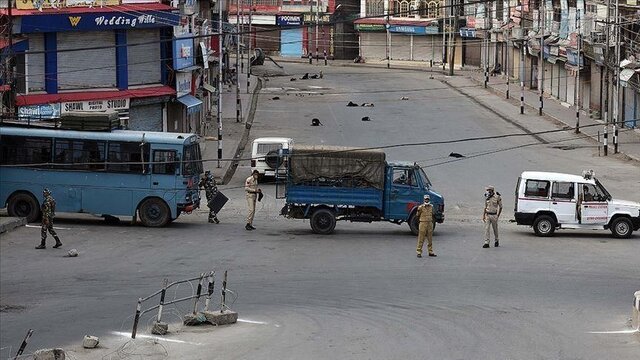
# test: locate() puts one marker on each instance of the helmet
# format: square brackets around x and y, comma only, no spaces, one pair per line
[46,192]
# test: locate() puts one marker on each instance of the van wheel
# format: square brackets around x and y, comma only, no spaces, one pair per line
[323,221]
[414,224]
[154,213]
[621,227]
[544,225]
[24,205]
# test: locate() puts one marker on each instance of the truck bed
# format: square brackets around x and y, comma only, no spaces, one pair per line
[331,195]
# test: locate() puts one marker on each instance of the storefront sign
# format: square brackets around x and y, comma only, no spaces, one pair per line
[415,30]
[183,83]
[288,20]
[311,18]
[255,20]
[39,112]
[189,7]
[183,53]
[57,4]
[98,21]
[95,105]
[369,27]
[572,57]
[466,32]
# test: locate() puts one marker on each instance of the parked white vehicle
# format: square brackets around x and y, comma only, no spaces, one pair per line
[264,155]
[549,201]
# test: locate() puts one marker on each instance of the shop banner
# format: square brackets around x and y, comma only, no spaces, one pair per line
[183,83]
[415,30]
[59,4]
[98,21]
[288,20]
[183,52]
[39,112]
[95,105]
[369,27]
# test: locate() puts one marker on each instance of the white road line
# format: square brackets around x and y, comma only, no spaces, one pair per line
[55,227]
[154,338]
[252,322]
[614,332]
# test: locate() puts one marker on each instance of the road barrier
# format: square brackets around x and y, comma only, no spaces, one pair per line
[161,328]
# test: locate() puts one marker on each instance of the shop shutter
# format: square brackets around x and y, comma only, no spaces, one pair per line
[473,52]
[35,63]
[423,46]
[373,45]
[267,38]
[400,47]
[85,69]
[145,117]
[143,60]
[562,77]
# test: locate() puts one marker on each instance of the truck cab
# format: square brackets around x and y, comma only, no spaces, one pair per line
[406,184]
[549,201]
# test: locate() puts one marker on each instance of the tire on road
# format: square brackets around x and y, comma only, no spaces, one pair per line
[323,221]
[621,227]
[414,224]
[544,225]
[24,205]
[154,212]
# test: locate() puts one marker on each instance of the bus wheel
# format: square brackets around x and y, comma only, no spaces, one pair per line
[323,221]
[154,213]
[24,205]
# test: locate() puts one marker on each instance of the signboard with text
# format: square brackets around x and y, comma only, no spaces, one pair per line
[288,20]
[98,21]
[95,105]
[183,83]
[415,30]
[57,4]
[183,52]
[39,112]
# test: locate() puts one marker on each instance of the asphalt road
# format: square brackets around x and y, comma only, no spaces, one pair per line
[360,293]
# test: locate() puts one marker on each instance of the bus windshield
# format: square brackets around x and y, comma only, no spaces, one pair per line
[192,163]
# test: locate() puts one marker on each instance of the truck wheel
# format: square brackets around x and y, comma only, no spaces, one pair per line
[24,205]
[544,225]
[621,227]
[154,213]
[414,224]
[323,221]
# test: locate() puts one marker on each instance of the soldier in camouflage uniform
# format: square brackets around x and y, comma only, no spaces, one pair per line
[48,212]
[211,189]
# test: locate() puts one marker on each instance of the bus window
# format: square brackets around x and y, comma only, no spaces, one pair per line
[80,154]
[165,162]
[127,157]
[192,164]
[21,150]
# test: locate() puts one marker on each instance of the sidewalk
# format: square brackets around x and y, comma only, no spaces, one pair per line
[559,114]
[8,223]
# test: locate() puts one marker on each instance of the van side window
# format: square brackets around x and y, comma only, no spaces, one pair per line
[563,190]
[537,188]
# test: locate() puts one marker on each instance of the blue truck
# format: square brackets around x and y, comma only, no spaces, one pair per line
[329,183]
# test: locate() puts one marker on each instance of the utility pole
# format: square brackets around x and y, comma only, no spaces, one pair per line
[577,90]
[241,36]
[249,47]
[220,59]
[238,105]
[445,20]
[388,37]
[8,73]
[317,24]
[606,82]
[542,25]
[452,45]
[616,98]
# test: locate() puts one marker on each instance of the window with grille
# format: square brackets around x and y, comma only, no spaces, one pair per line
[374,7]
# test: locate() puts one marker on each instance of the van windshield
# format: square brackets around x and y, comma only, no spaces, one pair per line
[425,178]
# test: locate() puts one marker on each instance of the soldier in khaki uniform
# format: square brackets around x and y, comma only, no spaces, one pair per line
[425,216]
[490,215]
[251,188]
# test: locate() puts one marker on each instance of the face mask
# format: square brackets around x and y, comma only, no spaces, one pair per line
[487,194]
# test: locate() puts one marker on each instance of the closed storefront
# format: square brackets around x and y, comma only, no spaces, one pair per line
[631,107]
[86,68]
[400,47]
[267,38]
[291,42]
[373,45]
[143,60]
[35,63]
[426,48]
[472,51]
[571,85]
[145,117]
[562,82]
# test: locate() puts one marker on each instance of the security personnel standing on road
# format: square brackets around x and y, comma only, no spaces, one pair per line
[425,217]
[490,215]
[48,212]
[251,188]
[210,189]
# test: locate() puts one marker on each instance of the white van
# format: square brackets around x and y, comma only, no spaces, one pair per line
[549,201]
[264,155]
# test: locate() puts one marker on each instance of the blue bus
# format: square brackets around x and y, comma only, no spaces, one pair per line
[150,175]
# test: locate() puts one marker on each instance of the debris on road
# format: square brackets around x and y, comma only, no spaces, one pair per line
[367,105]
[456,155]
[316,122]
[90,342]
[366,118]
[352,104]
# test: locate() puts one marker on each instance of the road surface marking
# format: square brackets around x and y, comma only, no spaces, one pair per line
[154,338]
[55,227]
[632,331]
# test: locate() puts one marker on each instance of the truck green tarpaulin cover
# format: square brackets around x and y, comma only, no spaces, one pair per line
[337,166]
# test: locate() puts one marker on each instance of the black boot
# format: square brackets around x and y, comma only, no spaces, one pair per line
[41,246]
[58,243]
[248,227]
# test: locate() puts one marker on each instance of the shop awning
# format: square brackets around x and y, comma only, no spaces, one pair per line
[35,99]
[192,103]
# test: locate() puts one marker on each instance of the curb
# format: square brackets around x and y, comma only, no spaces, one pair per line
[231,170]
[12,224]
